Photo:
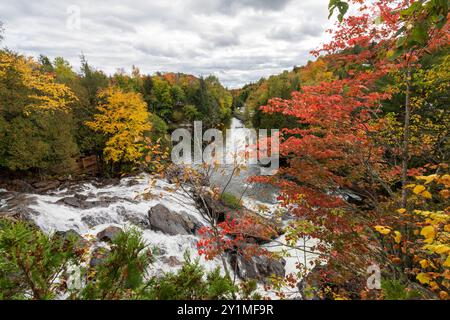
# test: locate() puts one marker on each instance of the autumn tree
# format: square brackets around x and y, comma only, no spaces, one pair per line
[334,147]
[412,29]
[221,100]
[88,141]
[86,86]
[132,83]
[252,96]
[46,64]
[93,80]
[36,118]
[123,118]
[161,102]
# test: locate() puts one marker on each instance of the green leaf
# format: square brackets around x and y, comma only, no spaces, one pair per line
[420,33]
[342,6]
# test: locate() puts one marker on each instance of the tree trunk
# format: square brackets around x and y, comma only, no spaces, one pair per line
[405,148]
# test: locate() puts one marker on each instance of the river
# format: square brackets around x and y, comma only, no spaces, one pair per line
[93,207]
[239,186]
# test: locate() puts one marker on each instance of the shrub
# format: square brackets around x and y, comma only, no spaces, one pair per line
[190,284]
[191,113]
[33,264]
[396,290]
[230,200]
[122,274]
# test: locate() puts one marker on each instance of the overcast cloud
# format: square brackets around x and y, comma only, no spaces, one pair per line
[238,41]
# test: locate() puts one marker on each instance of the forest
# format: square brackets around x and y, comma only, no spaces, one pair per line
[364,174]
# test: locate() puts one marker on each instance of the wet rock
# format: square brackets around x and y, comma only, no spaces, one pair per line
[81,197]
[81,201]
[105,201]
[109,234]
[101,183]
[172,223]
[68,234]
[132,217]
[20,186]
[15,206]
[72,201]
[77,201]
[132,182]
[208,204]
[98,257]
[258,267]
[97,219]
[73,235]
[71,188]
[44,186]
[171,261]
[175,173]
[158,251]
[193,224]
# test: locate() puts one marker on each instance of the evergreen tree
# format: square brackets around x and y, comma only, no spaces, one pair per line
[161,102]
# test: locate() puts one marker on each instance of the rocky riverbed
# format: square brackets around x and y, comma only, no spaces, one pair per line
[167,217]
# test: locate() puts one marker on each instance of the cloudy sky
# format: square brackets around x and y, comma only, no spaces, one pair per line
[237,40]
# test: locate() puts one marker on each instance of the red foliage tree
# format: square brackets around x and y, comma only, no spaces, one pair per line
[237,235]
[333,148]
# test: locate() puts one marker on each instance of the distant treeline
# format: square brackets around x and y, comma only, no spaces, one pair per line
[51,114]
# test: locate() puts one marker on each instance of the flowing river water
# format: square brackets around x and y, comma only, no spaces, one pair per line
[94,206]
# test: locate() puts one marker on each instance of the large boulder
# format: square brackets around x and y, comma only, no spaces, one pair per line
[67,234]
[71,234]
[176,173]
[76,201]
[109,234]
[172,223]
[258,267]
[44,186]
[20,186]
[15,205]
[264,229]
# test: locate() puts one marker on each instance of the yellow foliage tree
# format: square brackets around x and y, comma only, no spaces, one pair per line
[36,122]
[429,248]
[124,118]
[40,91]
[316,72]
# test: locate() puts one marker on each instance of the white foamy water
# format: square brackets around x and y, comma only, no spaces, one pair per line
[55,216]
[129,198]
[126,202]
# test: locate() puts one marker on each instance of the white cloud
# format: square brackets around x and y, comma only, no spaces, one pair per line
[239,41]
